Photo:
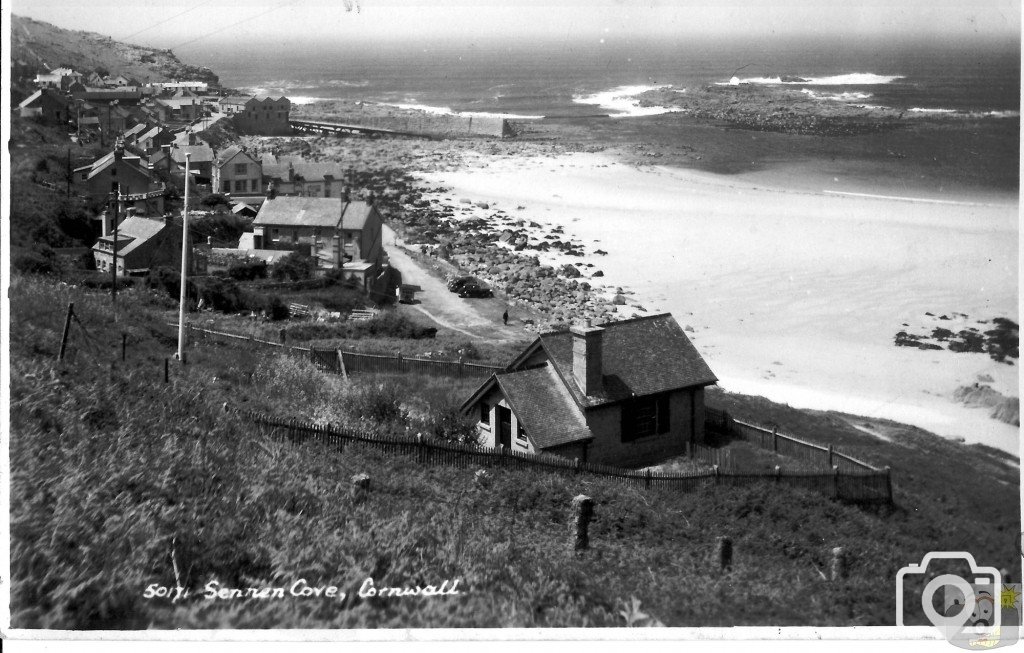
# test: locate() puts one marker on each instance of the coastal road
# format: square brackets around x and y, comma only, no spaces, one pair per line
[479,319]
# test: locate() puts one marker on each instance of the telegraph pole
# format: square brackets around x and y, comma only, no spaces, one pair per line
[184,267]
[116,210]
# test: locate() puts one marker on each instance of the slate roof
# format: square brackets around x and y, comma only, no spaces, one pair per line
[543,405]
[200,153]
[101,164]
[230,153]
[134,131]
[641,356]
[300,212]
[355,214]
[303,170]
[234,99]
[138,230]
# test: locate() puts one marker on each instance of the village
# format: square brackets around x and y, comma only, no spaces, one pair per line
[340,315]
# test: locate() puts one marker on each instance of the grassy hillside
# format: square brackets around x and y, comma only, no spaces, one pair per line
[38,46]
[120,481]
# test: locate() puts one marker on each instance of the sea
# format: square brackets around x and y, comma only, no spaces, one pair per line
[576,78]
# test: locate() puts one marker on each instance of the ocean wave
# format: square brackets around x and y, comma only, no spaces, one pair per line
[847,79]
[447,111]
[622,99]
[344,83]
[848,96]
[921,111]
[306,99]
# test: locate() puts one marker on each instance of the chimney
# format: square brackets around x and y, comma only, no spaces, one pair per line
[344,195]
[271,191]
[191,137]
[587,363]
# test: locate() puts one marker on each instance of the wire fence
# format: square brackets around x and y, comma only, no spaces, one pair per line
[338,361]
[825,456]
[855,486]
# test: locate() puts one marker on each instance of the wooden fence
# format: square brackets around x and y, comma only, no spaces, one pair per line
[827,457]
[861,486]
[338,361]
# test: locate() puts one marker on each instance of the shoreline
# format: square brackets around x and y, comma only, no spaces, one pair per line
[716,323]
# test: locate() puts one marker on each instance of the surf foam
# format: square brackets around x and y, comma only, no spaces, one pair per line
[622,100]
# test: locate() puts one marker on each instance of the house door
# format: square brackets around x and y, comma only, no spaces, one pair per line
[504,426]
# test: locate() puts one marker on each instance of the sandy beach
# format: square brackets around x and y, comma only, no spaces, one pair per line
[791,293]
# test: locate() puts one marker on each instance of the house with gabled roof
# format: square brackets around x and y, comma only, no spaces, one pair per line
[338,233]
[142,244]
[628,393]
[236,171]
[263,116]
[120,172]
[46,105]
[295,176]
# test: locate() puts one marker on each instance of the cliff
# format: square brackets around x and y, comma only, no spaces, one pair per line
[37,47]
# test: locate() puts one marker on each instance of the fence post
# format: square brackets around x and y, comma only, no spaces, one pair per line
[778,474]
[775,439]
[67,330]
[647,479]
[723,553]
[576,466]
[582,511]
[830,456]
[716,474]
[838,567]
[835,480]
[420,451]
[124,346]
[888,483]
[360,486]
[167,370]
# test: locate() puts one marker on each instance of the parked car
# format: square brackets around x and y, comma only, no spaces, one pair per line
[475,288]
[456,284]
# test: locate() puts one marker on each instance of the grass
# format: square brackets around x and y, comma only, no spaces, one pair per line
[119,481]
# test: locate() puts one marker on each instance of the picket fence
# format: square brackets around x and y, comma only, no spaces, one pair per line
[861,486]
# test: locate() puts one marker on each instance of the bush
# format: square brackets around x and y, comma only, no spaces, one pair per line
[38,260]
[248,270]
[276,309]
[392,324]
[222,229]
[294,267]
[223,295]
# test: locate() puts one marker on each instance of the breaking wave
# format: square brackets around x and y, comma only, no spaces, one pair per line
[848,79]
[447,111]
[622,100]
[838,97]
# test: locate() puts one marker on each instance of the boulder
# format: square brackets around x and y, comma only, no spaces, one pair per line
[597,273]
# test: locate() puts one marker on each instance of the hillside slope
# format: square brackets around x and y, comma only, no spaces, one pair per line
[40,46]
[121,481]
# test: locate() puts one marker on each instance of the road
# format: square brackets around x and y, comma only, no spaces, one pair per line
[474,318]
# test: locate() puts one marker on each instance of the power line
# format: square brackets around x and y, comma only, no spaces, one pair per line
[236,24]
[166,20]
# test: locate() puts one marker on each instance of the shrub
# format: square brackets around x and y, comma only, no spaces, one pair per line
[276,309]
[248,270]
[390,323]
[294,267]
[38,260]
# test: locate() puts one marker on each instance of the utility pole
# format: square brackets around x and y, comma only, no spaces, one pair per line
[115,209]
[184,267]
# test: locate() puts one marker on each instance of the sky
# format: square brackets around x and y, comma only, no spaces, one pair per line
[189,24]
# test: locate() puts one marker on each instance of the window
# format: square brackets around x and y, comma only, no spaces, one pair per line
[241,168]
[240,185]
[520,432]
[485,414]
[645,416]
[227,185]
[255,184]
